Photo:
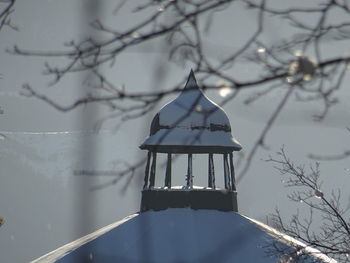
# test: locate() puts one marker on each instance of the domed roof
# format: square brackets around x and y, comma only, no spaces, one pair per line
[185,235]
[191,123]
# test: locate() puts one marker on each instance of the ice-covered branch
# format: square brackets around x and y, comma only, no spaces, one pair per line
[333,236]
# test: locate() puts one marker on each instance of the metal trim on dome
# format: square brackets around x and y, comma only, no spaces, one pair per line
[188,149]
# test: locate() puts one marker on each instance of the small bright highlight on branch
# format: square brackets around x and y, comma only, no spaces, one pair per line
[318,194]
[161,8]
[298,53]
[224,88]
[135,35]
[261,50]
[225,91]
[307,77]
[293,68]
[290,79]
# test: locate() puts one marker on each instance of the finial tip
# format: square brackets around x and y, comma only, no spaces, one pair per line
[191,81]
[191,76]
[192,73]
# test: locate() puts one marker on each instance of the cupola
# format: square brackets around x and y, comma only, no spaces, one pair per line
[190,124]
[187,223]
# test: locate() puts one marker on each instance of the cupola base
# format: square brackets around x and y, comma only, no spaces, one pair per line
[182,197]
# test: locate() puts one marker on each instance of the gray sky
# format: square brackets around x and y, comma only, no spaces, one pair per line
[46,206]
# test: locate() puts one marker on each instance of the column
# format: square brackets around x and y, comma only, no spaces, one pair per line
[153,169]
[147,170]
[226,173]
[168,172]
[211,172]
[232,168]
[189,178]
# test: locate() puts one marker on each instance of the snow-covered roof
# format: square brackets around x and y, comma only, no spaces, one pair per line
[183,235]
[192,120]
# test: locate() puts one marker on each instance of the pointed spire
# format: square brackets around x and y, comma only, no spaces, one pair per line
[191,81]
[192,74]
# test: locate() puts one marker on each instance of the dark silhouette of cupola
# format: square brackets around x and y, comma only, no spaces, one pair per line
[190,124]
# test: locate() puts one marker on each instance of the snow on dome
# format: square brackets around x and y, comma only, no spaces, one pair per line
[191,120]
[184,235]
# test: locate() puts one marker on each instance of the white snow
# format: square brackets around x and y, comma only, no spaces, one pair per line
[192,107]
[179,235]
[189,120]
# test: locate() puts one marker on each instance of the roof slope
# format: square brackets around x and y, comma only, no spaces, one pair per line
[179,235]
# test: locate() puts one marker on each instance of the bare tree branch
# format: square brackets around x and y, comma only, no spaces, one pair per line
[296,59]
[333,236]
[5,13]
